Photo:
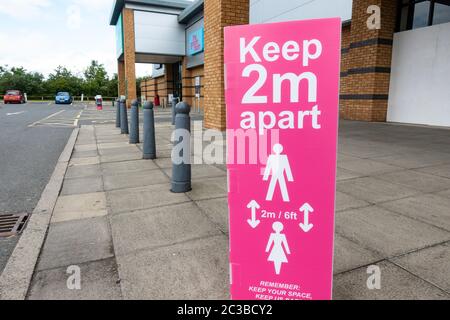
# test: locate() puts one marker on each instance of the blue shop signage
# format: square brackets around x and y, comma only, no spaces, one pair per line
[196,41]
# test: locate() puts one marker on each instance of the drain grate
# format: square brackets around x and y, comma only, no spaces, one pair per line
[12,224]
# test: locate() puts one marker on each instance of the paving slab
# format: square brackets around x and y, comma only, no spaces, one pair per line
[162,144]
[77,215]
[431,264]
[343,174]
[385,232]
[121,157]
[192,270]
[112,145]
[217,211]
[113,139]
[345,157]
[130,149]
[88,201]
[429,208]
[374,190]
[82,185]
[445,193]
[163,162]
[441,170]
[417,180]
[84,154]
[361,149]
[158,227]
[199,171]
[416,160]
[81,171]
[84,161]
[80,206]
[76,242]
[113,168]
[396,284]
[132,199]
[367,167]
[221,166]
[101,133]
[203,189]
[349,255]
[134,179]
[99,281]
[85,141]
[86,147]
[164,153]
[345,202]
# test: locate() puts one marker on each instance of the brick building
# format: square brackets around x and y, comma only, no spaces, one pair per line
[392,69]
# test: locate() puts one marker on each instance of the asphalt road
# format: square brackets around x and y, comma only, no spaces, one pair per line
[32,137]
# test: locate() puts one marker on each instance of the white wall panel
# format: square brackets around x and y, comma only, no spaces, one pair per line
[420,77]
[159,33]
[262,11]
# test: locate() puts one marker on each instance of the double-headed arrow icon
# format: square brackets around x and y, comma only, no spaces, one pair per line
[253,222]
[306,209]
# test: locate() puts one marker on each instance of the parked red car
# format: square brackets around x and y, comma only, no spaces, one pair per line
[14,96]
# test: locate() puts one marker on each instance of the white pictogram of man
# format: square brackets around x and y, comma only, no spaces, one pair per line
[277,166]
[280,245]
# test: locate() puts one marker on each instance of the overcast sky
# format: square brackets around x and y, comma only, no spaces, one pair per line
[42,34]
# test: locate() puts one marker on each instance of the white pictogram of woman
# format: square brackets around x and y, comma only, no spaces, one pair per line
[277,166]
[279,241]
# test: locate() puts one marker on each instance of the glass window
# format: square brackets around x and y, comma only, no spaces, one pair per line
[415,14]
[421,14]
[441,11]
[404,18]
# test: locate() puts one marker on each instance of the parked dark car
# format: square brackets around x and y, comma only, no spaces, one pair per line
[64,98]
[14,96]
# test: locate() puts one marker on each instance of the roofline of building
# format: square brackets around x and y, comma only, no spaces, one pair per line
[118,5]
[191,11]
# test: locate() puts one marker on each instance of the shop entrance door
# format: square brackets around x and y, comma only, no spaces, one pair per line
[177,80]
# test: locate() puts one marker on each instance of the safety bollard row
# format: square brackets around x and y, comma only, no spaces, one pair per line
[181,166]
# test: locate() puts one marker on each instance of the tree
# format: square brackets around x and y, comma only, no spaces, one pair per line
[20,79]
[113,86]
[63,80]
[96,79]
[93,81]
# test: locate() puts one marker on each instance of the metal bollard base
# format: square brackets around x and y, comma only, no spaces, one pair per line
[180,187]
[149,156]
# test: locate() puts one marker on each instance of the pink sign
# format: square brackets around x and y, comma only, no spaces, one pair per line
[282,95]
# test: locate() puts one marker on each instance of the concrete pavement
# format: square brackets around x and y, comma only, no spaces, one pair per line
[132,239]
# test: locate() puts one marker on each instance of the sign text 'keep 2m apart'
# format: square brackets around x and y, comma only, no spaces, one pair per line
[282,79]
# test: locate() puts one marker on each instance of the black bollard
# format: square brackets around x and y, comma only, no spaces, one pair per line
[123,117]
[149,148]
[181,154]
[134,122]
[118,113]
[175,100]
